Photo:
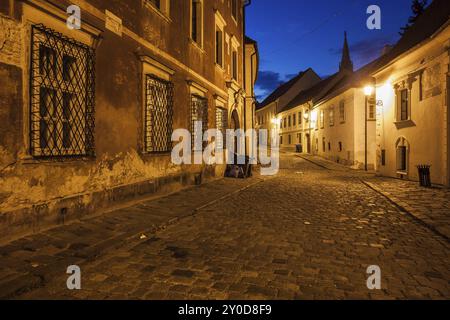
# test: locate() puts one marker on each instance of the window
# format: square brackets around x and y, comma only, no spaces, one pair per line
[342,111]
[383,157]
[199,113]
[372,109]
[300,138]
[161,6]
[289,121]
[219,47]
[404,105]
[220,39]
[322,118]
[234,9]
[340,146]
[234,63]
[221,125]
[62,96]
[285,123]
[331,117]
[158,115]
[323,144]
[281,139]
[290,139]
[329,146]
[197,21]
[294,120]
[300,119]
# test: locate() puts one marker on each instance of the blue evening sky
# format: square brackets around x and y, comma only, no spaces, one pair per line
[294,35]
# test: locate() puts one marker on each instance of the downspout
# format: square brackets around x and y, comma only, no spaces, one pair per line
[246,4]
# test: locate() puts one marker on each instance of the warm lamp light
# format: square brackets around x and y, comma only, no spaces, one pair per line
[368,90]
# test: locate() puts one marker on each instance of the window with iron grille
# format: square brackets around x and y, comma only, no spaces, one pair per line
[199,113]
[221,125]
[158,115]
[62,98]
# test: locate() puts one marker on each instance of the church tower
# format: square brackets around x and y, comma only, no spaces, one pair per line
[346,62]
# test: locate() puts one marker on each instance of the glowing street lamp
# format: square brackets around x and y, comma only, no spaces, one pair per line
[368,91]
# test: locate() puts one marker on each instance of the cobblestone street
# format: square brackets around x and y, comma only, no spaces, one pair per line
[307,233]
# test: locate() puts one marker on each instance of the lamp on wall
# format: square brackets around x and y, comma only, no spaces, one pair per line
[368,91]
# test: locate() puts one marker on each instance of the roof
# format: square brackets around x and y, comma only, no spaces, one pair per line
[313,93]
[432,19]
[250,40]
[282,89]
[359,78]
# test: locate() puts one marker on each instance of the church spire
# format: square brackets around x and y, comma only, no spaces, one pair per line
[346,62]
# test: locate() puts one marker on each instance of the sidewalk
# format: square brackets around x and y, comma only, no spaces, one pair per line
[31,262]
[431,206]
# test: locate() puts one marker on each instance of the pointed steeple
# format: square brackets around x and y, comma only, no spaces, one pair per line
[346,62]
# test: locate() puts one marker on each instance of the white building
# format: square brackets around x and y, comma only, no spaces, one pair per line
[412,87]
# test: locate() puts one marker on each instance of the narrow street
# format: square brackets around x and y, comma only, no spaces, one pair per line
[308,233]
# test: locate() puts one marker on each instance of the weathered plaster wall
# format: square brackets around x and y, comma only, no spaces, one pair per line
[25,181]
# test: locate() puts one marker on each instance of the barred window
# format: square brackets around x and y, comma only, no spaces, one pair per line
[61,96]
[221,125]
[158,115]
[199,113]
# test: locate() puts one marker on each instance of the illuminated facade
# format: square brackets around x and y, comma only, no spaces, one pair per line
[412,92]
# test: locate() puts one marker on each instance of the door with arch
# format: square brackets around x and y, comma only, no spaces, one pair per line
[235,125]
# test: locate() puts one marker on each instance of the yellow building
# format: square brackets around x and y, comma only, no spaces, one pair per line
[266,113]
[412,90]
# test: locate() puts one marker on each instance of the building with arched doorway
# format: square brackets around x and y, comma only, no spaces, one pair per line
[413,118]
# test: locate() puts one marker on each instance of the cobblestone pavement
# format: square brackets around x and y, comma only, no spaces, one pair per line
[431,205]
[308,233]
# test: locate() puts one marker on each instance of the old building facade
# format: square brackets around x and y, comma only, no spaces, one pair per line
[267,113]
[412,90]
[329,119]
[89,112]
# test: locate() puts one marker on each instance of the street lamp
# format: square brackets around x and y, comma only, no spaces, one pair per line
[368,91]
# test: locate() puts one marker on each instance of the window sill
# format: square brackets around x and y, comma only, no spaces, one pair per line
[161,14]
[196,45]
[219,67]
[402,173]
[404,124]
[30,160]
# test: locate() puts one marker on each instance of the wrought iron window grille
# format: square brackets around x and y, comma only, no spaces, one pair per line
[221,125]
[199,113]
[62,96]
[158,115]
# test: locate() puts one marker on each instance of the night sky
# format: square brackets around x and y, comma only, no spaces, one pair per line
[294,35]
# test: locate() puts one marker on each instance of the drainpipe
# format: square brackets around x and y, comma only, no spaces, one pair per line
[246,4]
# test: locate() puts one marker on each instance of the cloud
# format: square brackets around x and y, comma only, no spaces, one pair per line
[367,50]
[267,82]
